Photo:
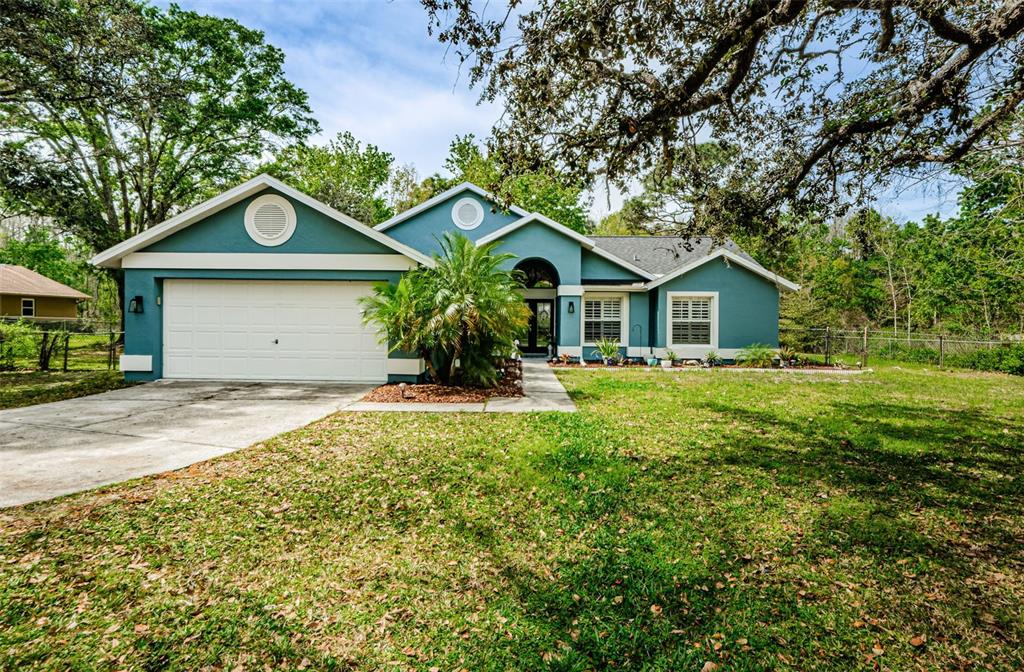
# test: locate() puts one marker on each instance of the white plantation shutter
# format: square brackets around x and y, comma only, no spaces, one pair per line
[691,321]
[602,320]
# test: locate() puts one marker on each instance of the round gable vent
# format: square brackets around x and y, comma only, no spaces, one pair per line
[467,213]
[270,220]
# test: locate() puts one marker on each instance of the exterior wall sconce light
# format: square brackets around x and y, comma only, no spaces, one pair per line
[135,305]
[572,307]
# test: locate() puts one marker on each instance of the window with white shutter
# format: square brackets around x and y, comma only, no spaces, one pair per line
[690,320]
[602,320]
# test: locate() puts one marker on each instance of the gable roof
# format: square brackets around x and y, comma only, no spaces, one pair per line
[111,257]
[733,255]
[668,257]
[663,254]
[441,198]
[584,241]
[20,280]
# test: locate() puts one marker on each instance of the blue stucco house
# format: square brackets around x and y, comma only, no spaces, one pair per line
[263,283]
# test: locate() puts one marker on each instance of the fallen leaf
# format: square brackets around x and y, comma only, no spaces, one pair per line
[656,610]
[918,640]
[709,667]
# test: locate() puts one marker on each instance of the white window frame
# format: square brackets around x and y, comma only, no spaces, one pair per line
[691,350]
[28,302]
[623,314]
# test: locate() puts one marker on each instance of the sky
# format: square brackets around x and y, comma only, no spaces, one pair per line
[370,68]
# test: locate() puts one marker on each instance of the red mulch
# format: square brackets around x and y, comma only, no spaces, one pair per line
[508,386]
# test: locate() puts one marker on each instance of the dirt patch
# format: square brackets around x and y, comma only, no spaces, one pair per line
[510,385]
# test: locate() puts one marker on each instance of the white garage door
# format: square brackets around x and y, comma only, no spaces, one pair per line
[269,330]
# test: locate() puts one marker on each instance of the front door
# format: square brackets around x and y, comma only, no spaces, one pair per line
[542,324]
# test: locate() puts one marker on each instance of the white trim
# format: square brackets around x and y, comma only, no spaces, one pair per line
[732,257]
[571,350]
[679,348]
[623,315]
[478,213]
[406,367]
[111,257]
[137,363]
[266,260]
[586,243]
[250,220]
[640,287]
[537,293]
[570,290]
[440,198]
[32,302]
[637,351]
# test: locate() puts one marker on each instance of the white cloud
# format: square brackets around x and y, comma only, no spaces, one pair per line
[370,67]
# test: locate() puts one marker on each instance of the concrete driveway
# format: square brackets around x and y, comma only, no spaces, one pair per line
[68,446]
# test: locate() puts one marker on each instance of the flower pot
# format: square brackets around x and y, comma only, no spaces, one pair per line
[666,364]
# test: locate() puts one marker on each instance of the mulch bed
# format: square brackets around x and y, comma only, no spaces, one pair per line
[510,385]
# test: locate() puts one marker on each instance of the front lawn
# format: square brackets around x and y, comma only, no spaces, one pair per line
[24,388]
[749,520]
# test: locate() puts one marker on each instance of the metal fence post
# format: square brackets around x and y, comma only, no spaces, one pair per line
[864,357]
[67,343]
[942,352]
[828,344]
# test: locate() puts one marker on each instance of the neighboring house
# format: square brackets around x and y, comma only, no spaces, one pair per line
[27,294]
[263,282]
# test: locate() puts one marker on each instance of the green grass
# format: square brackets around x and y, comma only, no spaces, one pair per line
[759,521]
[86,352]
[24,388]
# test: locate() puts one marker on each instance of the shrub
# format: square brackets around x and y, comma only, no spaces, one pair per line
[903,352]
[712,358]
[460,315]
[1005,358]
[17,341]
[756,355]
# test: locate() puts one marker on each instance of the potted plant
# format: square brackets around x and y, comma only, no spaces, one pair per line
[668,360]
[608,350]
[788,357]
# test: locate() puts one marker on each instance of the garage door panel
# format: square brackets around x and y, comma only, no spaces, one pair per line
[227,329]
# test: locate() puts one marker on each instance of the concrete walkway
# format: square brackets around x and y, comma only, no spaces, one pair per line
[541,392]
[67,446]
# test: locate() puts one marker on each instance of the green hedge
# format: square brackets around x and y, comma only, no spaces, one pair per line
[1005,358]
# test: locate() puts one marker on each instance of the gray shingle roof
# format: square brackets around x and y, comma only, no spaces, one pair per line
[663,254]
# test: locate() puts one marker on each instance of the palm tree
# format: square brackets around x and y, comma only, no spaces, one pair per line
[457,315]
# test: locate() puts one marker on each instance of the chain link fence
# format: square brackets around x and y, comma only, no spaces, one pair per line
[866,345]
[58,345]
